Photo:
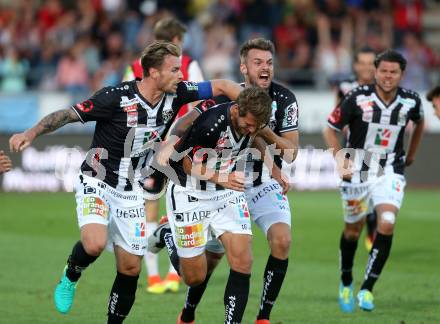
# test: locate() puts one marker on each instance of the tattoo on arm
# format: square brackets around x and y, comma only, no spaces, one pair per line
[56,120]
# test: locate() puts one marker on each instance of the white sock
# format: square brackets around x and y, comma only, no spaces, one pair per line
[151,259]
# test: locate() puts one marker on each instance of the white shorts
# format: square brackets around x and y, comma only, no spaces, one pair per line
[193,216]
[121,211]
[268,205]
[360,199]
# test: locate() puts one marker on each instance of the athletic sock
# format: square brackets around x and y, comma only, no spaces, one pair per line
[371,223]
[347,250]
[151,259]
[272,281]
[78,261]
[193,297]
[121,298]
[236,296]
[172,251]
[376,261]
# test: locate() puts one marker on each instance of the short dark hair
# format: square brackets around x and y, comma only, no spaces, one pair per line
[256,43]
[257,102]
[391,56]
[168,28]
[434,92]
[154,55]
[363,50]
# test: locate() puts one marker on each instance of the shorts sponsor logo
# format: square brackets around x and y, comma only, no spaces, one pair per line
[281,197]
[139,230]
[396,186]
[192,199]
[356,207]
[94,206]
[244,210]
[130,213]
[263,192]
[89,190]
[190,236]
[192,216]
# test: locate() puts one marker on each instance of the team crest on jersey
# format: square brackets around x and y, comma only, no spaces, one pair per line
[167,114]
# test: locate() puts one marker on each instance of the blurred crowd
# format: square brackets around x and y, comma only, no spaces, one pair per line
[83,45]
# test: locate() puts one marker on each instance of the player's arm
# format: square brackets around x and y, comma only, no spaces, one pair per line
[199,170]
[288,142]
[274,170]
[222,87]
[51,122]
[5,163]
[414,142]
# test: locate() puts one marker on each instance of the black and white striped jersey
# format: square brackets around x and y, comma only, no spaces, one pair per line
[284,118]
[376,129]
[126,125]
[211,140]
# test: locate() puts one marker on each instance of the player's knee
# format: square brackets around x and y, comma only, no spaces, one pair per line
[194,279]
[386,223]
[94,247]
[241,263]
[352,234]
[130,269]
[280,246]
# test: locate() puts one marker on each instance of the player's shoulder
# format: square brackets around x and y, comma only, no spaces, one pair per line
[408,93]
[111,92]
[347,84]
[360,90]
[216,115]
[281,94]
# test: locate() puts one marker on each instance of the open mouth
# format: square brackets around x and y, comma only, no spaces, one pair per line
[264,77]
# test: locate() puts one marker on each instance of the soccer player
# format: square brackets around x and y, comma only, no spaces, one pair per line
[172,30]
[110,210]
[434,97]
[5,163]
[363,67]
[209,195]
[268,206]
[373,167]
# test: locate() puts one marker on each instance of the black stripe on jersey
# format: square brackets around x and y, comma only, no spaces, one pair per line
[173,200]
[159,117]
[394,119]
[377,113]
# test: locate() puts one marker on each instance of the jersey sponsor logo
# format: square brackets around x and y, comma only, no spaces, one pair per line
[132,119]
[191,86]
[367,110]
[95,206]
[335,116]
[190,236]
[85,106]
[383,137]
[291,118]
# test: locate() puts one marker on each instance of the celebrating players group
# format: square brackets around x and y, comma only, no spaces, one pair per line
[220,166]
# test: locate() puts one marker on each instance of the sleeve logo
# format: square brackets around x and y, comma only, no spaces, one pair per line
[85,106]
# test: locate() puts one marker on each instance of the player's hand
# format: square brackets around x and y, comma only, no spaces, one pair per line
[278,175]
[19,142]
[344,167]
[166,150]
[235,181]
[5,162]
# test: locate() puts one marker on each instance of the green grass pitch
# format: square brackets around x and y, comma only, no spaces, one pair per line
[37,232]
